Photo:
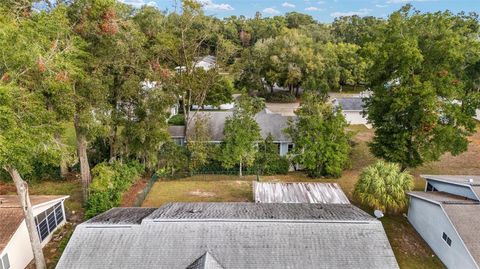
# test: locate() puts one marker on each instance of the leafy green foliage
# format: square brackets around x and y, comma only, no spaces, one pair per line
[268,160]
[198,141]
[35,85]
[383,186]
[109,184]
[241,133]
[423,99]
[280,97]
[173,158]
[321,140]
[178,119]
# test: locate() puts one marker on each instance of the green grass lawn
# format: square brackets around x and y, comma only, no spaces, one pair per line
[196,189]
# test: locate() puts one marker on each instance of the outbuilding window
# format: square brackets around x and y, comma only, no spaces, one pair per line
[447,239]
[430,187]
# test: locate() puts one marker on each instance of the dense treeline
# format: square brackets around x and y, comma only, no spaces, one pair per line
[90,81]
[109,70]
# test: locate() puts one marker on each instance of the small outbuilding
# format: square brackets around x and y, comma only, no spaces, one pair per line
[447,216]
[15,248]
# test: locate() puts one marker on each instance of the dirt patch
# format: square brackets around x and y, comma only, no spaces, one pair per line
[130,196]
[199,193]
[6,188]
[467,163]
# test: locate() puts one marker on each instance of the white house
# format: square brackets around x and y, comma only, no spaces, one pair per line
[269,123]
[447,216]
[15,249]
[206,63]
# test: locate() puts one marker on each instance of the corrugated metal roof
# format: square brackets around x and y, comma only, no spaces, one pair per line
[172,242]
[299,192]
[260,211]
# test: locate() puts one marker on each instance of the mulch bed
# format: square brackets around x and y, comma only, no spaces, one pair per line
[130,196]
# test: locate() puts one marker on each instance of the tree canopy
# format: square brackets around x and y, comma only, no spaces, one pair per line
[423,98]
[321,140]
[241,135]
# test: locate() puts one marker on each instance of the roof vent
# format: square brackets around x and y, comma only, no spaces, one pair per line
[378,214]
[194,210]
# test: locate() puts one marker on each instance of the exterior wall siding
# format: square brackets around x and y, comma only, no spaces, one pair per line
[283,149]
[354,117]
[431,222]
[453,189]
[18,249]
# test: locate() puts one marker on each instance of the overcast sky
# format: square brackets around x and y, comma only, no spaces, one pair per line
[323,11]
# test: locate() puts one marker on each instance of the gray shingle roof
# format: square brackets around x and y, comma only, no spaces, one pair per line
[260,211]
[442,197]
[176,131]
[206,261]
[462,179]
[269,123]
[273,123]
[299,192]
[350,103]
[125,215]
[217,235]
[465,219]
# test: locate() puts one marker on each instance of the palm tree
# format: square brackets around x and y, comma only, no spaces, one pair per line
[383,186]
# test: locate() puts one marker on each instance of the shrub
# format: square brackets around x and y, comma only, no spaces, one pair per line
[109,184]
[177,120]
[268,160]
[280,97]
[173,158]
[383,186]
[279,165]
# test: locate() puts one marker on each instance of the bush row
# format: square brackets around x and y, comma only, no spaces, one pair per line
[280,97]
[177,120]
[174,160]
[110,181]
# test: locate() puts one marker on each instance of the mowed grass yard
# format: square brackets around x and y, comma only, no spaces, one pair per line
[410,249]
